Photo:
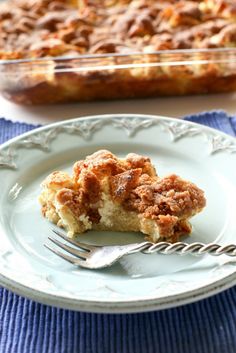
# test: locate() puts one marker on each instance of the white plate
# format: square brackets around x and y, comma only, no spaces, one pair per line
[139,282]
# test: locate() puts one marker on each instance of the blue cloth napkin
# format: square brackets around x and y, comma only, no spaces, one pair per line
[207,326]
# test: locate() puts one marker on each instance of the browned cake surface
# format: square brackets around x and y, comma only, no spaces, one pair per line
[38,28]
[70,29]
[106,192]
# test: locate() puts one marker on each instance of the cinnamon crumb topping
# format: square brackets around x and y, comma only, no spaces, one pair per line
[41,28]
[128,185]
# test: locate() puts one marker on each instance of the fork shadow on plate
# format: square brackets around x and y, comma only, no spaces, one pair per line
[138,265]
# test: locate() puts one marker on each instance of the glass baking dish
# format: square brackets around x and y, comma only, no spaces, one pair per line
[113,76]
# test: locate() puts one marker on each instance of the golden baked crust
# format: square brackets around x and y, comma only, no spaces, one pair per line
[33,29]
[108,193]
[37,29]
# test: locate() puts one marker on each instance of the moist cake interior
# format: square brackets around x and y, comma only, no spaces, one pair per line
[113,194]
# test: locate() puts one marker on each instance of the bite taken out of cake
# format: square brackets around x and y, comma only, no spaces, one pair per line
[121,194]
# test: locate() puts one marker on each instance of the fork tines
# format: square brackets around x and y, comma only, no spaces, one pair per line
[78,255]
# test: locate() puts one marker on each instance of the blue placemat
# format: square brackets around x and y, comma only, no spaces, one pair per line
[208,326]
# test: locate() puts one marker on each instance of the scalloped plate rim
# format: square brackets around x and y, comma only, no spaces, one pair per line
[132,306]
[118,306]
[110,116]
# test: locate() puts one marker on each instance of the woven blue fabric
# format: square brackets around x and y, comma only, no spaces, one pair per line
[208,326]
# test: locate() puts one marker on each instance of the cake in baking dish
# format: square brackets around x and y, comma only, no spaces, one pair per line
[113,194]
[84,50]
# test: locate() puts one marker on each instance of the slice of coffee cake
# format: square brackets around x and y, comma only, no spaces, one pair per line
[113,194]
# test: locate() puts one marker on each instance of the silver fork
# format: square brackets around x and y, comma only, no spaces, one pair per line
[95,257]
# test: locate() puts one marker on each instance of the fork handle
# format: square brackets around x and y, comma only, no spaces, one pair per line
[196,249]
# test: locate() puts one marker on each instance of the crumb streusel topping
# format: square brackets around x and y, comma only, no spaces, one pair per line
[39,28]
[109,193]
